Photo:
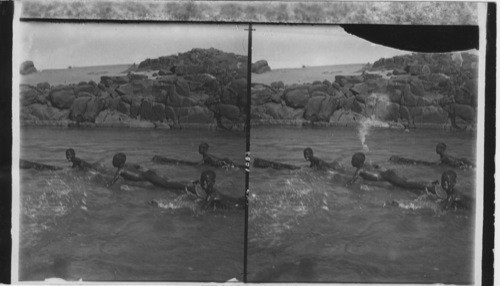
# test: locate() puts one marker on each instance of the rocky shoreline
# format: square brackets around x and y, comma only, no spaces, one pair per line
[207,88]
[436,91]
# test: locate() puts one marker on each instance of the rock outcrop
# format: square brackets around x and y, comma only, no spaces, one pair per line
[260,67]
[420,90]
[27,67]
[210,87]
[196,87]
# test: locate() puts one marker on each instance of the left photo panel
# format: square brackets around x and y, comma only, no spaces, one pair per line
[131,151]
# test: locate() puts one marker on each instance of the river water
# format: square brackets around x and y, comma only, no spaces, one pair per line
[72,227]
[304,225]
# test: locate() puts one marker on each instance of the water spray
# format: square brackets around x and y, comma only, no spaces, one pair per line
[368,122]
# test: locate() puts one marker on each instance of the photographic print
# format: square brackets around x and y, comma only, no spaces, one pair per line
[363,160]
[251,142]
[131,152]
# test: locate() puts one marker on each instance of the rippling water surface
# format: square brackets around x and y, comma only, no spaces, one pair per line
[72,227]
[304,225]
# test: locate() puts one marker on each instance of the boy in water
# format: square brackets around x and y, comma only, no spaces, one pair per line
[454,200]
[377,173]
[319,164]
[445,159]
[447,196]
[77,162]
[214,161]
[211,198]
[136,173]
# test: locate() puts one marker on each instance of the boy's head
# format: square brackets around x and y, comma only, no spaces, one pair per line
[308,154]
[203,148]
[70,154]
[207,180]
[440,148]
[119,160]
[448,181]
[358,160]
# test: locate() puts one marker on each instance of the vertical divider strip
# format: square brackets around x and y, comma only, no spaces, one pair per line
[247,153]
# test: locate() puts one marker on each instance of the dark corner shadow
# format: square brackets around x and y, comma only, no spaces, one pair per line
[419,38]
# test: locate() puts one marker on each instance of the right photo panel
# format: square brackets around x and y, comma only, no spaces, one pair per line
[363,160]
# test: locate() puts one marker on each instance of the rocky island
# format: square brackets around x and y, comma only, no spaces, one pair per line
[209,87]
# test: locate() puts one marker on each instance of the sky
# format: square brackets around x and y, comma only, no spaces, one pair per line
[59,45]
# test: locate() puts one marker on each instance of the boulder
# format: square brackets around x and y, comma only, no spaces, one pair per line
[280,112]
[422,101]
[297,98]
[320,87]
[431,114]
[357,106]
[114,80]
[27,67]
[408,99]
[94,106]
[413,69]
[85,87]
[416,87]
[175,100]
[342,117]
[78,108]
[112,119]
[404,113]
[360,88]
[122,107]
[328,106]
[158,112]
[182,87]
[385,110]
[45,112]
[426,70]
[170,114]
[465,112]
[125,89]
[141,86]
[261,94]
[278,85]
[43,86]
[30,95]
[239,86]
[62,97]
[194,114]
[146,109]
[395,96]
[135,108]
[229,111]
[260,67]
[313,107]
[84,94]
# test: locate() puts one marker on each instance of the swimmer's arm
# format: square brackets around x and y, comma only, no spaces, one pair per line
[354,178]
[115,178]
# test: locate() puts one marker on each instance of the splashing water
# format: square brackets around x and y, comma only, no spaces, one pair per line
[364,129]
